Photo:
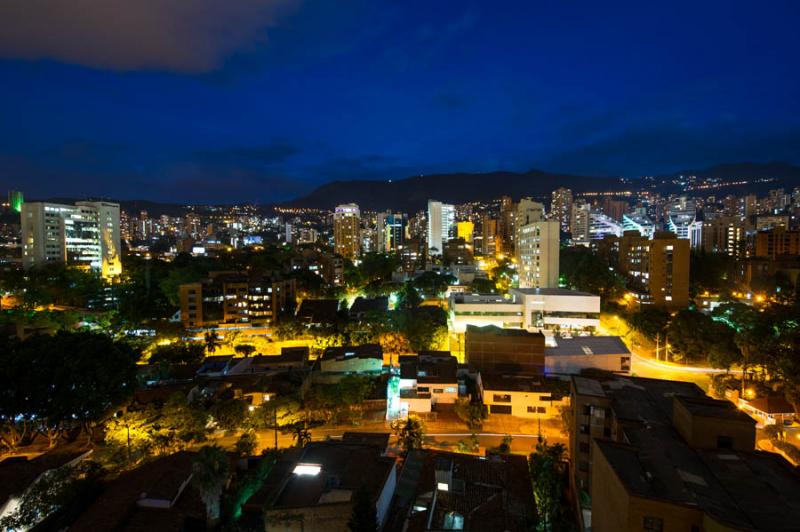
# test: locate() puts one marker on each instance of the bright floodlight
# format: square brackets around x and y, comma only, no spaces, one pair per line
[307,469]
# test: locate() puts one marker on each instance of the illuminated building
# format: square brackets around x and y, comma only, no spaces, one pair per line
[234,297]
[777,242]
[638,222]
[659,266]
[347,230]
[613,208]
[506,225]
[580,222]
[391,229]
[561,207]
[465,230]
[489,235]
[15,200]
[441,225]
[457,251]
[601,225]
[723,235]
[537,246]
[85,234]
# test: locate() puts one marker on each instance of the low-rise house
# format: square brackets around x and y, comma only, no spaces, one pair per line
[770,410]
[215,366]
[315,493]
[318,311]
[364,306]
[290,359]
[570,356]
[155,496]
[523,396]
[361,359]
[426,380]
[451,491]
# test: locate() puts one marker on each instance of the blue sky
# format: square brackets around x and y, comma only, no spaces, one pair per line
[261,100]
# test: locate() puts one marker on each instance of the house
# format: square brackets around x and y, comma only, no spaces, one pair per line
[570,356]
[770,410]
[315,493]
[215,366]
[494,350]
[361,359]
[531,397]
[364,306]
[318,311]
[290,359]
[427,379]
[155,496]
[439,490]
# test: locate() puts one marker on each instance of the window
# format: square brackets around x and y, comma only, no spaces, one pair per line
[546,398]
[500,409]
[541,410]
[653,524]
[531,409]
[501,398]
[584,429]
[438,390]
[423,389]
[724,442]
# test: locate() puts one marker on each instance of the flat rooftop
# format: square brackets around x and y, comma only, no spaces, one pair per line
[551,292]
[588,345]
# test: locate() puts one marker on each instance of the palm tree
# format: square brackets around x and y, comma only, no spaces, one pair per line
[209,475]
[212,342]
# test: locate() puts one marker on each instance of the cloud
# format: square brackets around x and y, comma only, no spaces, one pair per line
[191,36]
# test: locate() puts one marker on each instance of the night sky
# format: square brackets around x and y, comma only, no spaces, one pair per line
[261,100]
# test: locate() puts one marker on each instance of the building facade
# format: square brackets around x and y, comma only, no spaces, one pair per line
[441,225]
[347,230]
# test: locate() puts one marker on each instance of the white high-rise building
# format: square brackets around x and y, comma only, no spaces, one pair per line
[538,247]
[347,230]
[86,233]
[580,223]
[441,225]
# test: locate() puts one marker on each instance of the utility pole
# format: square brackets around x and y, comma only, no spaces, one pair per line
[658,336]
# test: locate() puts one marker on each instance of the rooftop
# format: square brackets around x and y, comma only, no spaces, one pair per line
[773,404]
[318,310]
[497,331]
[368,305]
[588,345]
[427,367]
[551,292]
[517,383]
[353,351]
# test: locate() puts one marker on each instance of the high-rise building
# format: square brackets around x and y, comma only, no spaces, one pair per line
[84,234]
[659,266]
[441,225]
[489,235]
[580,222]
[15,200]
[391,231]
[465,230]
[777,242]
[614,208]
[561,207]
[347,230]
[506,225]
[538,248]
[723,235]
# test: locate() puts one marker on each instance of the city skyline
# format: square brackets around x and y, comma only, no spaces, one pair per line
[276,98]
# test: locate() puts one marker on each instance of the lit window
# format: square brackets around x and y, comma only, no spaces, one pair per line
[442,486]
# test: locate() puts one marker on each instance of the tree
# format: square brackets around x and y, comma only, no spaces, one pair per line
[177,353]
[210,471]
[364,517]
[584,270]
[649,321]
[212,341]
[229,414]
[470,413]
[410,433]
[130,429]
[548,479]
[246,444]
[245,349]
[483,286]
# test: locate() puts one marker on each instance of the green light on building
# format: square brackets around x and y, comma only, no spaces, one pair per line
[15,200]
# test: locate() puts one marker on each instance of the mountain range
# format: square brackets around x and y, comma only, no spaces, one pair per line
[411,194]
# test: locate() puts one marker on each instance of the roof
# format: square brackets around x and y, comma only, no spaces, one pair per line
[490,493]
[657,463]
[552,292]
[497,331]
[17,474]
[773,404]
[429,367]
[586,386]
[353,351]
[116,507]
[345,466]
[588,345]
[373,304]
[318,310]
[518,383]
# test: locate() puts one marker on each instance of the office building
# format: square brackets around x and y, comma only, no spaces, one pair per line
[538,248]
[391,232]
[441,225]
[466,231]
[561,207]
[652,454]
[85,234]
[532,309]
[602,225]
[507,225]
[725,234]
[347,230]
[491,349]
[489,235]
[659,267]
